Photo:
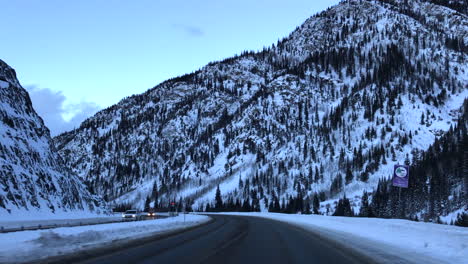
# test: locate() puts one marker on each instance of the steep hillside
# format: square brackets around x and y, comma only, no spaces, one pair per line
[352,91]
[33,178]
[438,182]
[459,5]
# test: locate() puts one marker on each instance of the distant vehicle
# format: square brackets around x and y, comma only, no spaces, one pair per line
[138,215]
[132,214]
[151,213]
[148,214]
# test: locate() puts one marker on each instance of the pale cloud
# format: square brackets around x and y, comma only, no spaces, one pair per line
[190,30]
[57,115]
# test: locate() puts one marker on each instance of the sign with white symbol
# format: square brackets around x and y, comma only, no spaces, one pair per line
[400,176]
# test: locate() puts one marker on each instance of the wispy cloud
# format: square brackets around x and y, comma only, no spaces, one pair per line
[190,30]
[58,116]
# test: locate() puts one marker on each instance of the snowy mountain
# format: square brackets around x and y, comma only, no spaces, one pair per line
[329,109]
[438,184]
[33,178]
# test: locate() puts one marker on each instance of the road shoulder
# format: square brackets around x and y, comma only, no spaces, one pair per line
[384,240]
[65,245]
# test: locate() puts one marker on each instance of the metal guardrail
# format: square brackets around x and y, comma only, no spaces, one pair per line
[52,226]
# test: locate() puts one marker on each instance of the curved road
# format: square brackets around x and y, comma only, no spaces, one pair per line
[237,239]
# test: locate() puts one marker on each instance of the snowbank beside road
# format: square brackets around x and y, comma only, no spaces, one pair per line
[27,246]
[380,238]
[32,224]
[13,224]
[38,215]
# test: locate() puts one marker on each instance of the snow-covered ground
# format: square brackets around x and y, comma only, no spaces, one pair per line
[417,242]
[31,245]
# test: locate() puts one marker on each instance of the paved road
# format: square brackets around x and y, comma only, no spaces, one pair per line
[237,239]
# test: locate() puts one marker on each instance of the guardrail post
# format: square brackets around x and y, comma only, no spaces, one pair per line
[2,229]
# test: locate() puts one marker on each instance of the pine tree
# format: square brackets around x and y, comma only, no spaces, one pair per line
[307,209]
[155,194]
[208,207]
[277,207]
[316,204]
[462,220]
[218,200]
[365,210]
[179,205]
[337,185]
[317,175]
[246,206]
[364,176]
[343,208]
[349,175]
[147,203]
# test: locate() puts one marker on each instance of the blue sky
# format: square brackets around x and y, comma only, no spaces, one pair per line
[76,57]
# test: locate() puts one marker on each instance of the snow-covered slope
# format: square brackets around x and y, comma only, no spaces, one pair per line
[352,91]
[33,178]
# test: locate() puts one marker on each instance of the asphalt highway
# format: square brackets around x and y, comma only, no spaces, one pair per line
[236,239]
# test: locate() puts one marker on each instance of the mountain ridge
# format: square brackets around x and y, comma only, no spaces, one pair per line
[33,177]
[364,76]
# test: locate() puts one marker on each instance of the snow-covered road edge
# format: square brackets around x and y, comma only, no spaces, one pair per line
[38,245]
[385,239]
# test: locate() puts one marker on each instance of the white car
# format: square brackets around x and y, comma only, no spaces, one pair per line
[130,214]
